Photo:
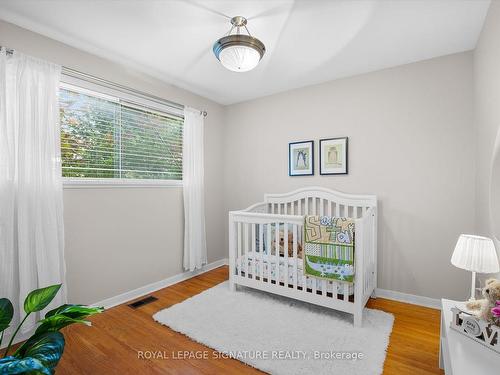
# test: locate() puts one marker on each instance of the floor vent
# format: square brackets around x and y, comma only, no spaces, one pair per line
[142,302]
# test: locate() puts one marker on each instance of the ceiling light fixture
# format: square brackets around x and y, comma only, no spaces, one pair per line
[239,52]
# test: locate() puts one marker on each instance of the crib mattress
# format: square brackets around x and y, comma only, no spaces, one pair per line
[270,261]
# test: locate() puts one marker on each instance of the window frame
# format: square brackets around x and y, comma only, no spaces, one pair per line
[109,93]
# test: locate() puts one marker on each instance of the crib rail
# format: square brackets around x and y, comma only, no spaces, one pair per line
[319,201]
[256,240]
[260,233]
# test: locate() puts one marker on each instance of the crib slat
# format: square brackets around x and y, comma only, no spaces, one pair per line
[346,285]
[329,208]
[332,283]
[367,262]
[292,208]
[254,253]
[337,210]
[285,253]
[315,212]
[269,253]
[245,249]
[261,251]
[277,238]
[295,256]
[239,250]
[337,255]
[299,207]
[306,206]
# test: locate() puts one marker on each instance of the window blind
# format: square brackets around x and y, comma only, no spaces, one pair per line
[106,137]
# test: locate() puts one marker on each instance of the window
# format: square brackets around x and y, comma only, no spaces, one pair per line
[107,137]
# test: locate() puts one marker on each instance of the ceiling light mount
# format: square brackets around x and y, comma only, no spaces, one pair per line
[239,21]
[236,51]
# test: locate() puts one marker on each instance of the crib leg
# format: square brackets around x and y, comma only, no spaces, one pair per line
[232,285]
[358,319]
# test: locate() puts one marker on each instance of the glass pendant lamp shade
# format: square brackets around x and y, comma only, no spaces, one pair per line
[239,52]
[239,58]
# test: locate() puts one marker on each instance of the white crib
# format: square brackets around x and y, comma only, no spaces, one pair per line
[254,259]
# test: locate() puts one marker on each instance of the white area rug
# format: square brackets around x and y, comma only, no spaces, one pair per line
[280,335]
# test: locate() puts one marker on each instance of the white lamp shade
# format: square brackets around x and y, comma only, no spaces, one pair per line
[239,58]
[475,254]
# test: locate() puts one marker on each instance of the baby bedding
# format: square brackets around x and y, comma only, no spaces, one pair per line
[329,247]
[269,262]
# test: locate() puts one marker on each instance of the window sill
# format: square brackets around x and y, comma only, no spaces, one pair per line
[103,183]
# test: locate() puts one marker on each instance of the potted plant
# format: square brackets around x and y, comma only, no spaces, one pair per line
[41,353]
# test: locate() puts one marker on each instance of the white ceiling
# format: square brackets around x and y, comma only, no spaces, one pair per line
[307,41]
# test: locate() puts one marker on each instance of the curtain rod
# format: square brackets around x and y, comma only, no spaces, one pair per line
[77,74]
[88,77]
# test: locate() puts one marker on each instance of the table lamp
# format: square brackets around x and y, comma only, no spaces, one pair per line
[475,254]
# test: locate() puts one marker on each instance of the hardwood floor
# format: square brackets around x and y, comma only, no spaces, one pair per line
[114,343]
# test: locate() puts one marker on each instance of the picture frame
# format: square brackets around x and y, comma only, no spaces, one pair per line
[301,158]
[333,156]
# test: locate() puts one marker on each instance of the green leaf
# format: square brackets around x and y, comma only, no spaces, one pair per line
[39,299]
[75,311]
[65,315]
[47,348]
[13,365]
[56,322]
[6,313]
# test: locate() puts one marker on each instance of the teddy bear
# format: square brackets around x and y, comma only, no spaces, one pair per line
[290,245]
[482,308]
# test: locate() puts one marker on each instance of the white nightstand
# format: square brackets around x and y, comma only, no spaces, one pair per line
[459,354]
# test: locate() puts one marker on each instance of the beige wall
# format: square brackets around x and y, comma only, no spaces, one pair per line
[411,140]
[122,239]
[410,143]
[487,124]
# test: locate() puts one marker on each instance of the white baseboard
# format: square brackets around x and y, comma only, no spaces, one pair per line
[408,298]
[150,288]
[146,289]
[139,292]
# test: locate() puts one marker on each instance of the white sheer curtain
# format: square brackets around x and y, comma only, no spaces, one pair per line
[195,247]
[31,225]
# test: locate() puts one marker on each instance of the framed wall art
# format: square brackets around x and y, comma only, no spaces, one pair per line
[301,158]
[333,156]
